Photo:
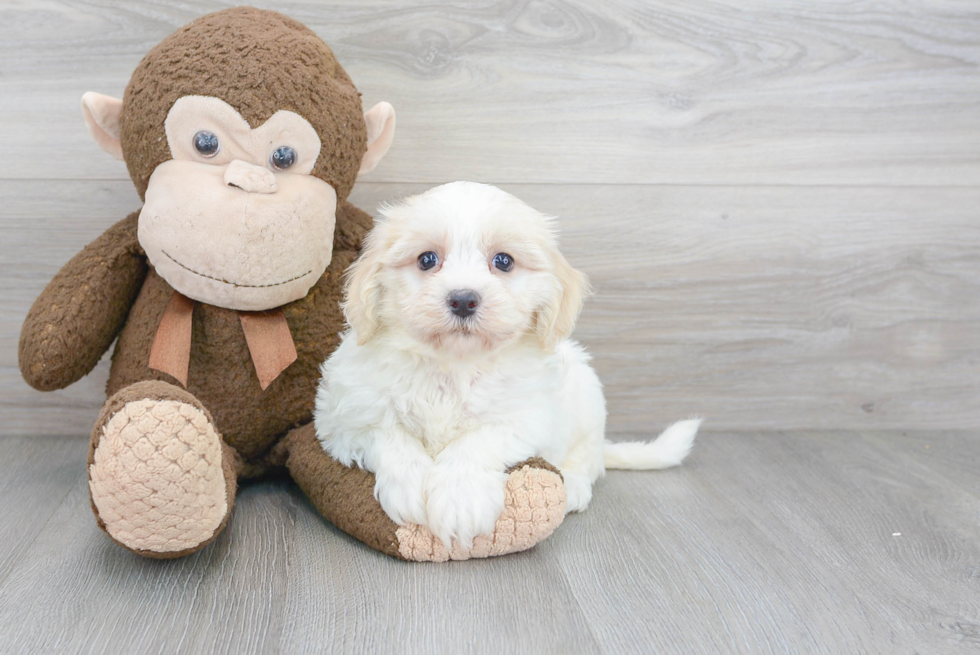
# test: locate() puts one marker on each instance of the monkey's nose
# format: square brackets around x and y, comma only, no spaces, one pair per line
[463,302]
[251,178]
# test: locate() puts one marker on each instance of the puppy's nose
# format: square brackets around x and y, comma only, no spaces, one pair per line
[463,302]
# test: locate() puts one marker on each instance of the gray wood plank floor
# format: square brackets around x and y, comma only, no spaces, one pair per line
[778,205]
[803,542]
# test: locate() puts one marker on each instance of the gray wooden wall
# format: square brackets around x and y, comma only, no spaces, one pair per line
[777,201]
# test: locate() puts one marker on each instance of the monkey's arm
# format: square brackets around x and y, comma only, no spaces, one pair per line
[534,504]
[80,312]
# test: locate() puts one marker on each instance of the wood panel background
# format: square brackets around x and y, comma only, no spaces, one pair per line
[777,201]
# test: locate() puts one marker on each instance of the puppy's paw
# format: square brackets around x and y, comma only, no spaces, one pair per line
[402,492]
[463,503]
[578,490]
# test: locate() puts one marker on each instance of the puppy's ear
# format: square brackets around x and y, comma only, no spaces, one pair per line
[556,320]
[363,291]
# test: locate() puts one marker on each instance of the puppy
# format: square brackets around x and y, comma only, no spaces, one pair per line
[457,364]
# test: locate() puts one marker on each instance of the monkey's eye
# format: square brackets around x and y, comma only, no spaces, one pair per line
[503,262]
[283,158]
[206,143]
[428,260]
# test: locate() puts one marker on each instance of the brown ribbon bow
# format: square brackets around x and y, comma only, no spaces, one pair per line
[267,334]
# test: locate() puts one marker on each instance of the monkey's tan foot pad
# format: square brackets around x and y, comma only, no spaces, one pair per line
[158,475]
[534,506]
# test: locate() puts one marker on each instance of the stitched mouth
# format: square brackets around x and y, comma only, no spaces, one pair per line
[229,282]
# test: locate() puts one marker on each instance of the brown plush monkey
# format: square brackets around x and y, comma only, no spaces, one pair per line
[244,137]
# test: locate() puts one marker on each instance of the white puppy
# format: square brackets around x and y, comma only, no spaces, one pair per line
[458,364]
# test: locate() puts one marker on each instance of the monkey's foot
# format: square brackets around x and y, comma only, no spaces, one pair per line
[161,480]
[534,505]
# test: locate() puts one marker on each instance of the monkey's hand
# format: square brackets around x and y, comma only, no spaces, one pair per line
[77,316]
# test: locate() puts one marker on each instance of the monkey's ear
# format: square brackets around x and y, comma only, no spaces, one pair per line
[102,114]
[380,121]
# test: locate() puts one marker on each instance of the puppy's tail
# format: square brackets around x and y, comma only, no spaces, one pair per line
[669,449]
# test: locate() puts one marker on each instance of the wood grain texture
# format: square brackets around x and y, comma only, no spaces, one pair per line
[762,543]
[781,543]
[622,91]
[759,307]
[777,204]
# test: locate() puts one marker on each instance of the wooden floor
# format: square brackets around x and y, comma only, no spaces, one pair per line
[778,204]
[803,542]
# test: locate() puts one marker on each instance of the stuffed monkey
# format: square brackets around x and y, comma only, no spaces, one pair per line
[243,136]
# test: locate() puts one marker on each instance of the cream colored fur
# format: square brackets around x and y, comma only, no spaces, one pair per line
[438,406]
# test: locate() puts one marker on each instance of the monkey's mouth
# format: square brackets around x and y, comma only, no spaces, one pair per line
[229,282]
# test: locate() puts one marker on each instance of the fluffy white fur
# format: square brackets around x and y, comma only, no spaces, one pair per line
[438,406]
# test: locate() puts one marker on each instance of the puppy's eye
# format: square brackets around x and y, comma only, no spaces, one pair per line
[504,262]
[428,260]
[206,143]
[283,158]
